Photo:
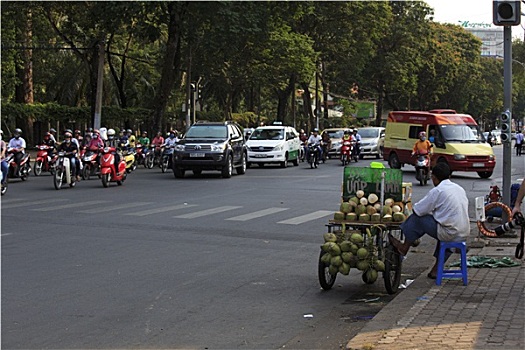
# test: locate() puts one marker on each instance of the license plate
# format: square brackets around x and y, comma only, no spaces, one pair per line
[478,165]
[260,155]
[197,155]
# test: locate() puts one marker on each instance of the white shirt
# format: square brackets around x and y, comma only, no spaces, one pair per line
[314,139]
[448,204]
[171,141]
[17,143]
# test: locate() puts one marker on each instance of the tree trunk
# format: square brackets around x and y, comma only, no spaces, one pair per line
[283,98]
[307,106]
[171,64]
[24,71]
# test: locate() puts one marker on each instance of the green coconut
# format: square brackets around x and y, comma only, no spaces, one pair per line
[325,258]
[399,217]
[339,216]
[362,265]
[389,202]
[371,210]
[356,238]
[364,217]
[353,201]
[345,207]
[362,253]
[334,249]
[379,265]
[344,268]
[333,270]
[360,209]
[345,246]
[330,237]
[336,261]
[354,249]
[375,217]
[387,218]
[371,275]
[347,256]
[324,247]
[351,217]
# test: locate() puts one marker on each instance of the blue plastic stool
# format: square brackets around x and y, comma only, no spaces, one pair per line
[462,272]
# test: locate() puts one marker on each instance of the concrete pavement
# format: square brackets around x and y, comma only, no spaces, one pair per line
[488,313]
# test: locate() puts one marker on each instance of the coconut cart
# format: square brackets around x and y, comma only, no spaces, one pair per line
[375,202]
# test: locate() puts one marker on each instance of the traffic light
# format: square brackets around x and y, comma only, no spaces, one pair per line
[505,119]
[506,13]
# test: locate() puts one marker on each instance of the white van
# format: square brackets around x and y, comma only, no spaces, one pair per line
[273,145]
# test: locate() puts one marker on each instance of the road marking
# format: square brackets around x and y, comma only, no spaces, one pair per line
[115,207]
[17,205]
[257,214]
[198,214]
[161,209]
[70,205]
[308,217]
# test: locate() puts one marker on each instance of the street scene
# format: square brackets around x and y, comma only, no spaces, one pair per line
[199,262]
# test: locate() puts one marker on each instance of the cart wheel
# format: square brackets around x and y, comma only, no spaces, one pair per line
[392,273]
[325,278]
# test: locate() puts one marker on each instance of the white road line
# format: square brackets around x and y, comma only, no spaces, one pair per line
[161,209]
[206,212]
[70,205]
[17,205]
[308,217]
[115,207]
[257,214]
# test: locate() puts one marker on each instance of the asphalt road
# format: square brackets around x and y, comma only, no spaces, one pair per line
[200,263]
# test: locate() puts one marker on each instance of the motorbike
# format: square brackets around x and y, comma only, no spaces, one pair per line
[313,155]
[16,171]
[302,154]
[422,167]
[4,185]
[346,151]
[43,161]
[166,159]
[325,146]
[90,165]
[108,172]
[149,158]
[140,155]
[355,151]
[63,172]
[129,157]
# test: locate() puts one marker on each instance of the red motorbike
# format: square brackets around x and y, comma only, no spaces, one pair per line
[108,173]
[90,166]
[16,171]
[43,161]
[346,152]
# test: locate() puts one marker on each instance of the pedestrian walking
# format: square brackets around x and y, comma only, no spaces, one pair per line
[519,142]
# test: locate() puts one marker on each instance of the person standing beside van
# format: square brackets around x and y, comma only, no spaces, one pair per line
[422,146]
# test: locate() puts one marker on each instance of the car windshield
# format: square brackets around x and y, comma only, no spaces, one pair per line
[207,132]
[368,133]
[462,133]
[335,134]
[267,134]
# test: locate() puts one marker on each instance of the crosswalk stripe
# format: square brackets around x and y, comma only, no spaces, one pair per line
[161,209]
[257,214]
[70,205]
[308,217]
[206,212]
[17,205]
[115,207]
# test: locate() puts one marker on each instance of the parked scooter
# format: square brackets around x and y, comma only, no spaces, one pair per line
[313,155]
[43,161]
[16,171]
[108,173]
[422,167]
[63,172]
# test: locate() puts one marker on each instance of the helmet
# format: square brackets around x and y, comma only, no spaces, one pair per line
[68,131]
[316,130]
[355,130]
[77,132]
[111,132]
[67,134]
[129,131]
[422,134]
[52,130]
[159,132]
[347,132]
[47,135]
[96,132]
[18,131]
[144,133]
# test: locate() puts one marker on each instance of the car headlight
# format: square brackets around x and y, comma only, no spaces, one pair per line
[278,148]
[492,158]
[180,147]
[460,157]
[218,147]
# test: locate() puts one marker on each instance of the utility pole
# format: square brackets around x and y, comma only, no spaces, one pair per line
[100,77]
[507,92]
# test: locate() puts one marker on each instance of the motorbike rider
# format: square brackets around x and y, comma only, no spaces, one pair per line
[18,145]
[5,166]
[422,145]
[53,134]
[123,139]
[357,139]
[326,144]
[144,141]
[131,138]
[114,143]
[315,139]
[48,141]
[71,150]
[172,139]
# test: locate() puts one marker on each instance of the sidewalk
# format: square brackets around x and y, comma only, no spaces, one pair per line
[488,313]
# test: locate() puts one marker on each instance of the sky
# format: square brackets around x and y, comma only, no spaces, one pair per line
[474,11]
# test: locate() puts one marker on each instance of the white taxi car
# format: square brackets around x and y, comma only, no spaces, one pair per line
[275,144]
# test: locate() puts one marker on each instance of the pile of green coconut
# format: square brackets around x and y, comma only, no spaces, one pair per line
[369,209]
[352,249]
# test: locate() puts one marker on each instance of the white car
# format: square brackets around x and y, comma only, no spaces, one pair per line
[273,145]
[372,141]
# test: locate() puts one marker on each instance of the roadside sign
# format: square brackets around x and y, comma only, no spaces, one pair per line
[369,181]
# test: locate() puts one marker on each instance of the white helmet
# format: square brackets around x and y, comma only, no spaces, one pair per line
[111,132]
